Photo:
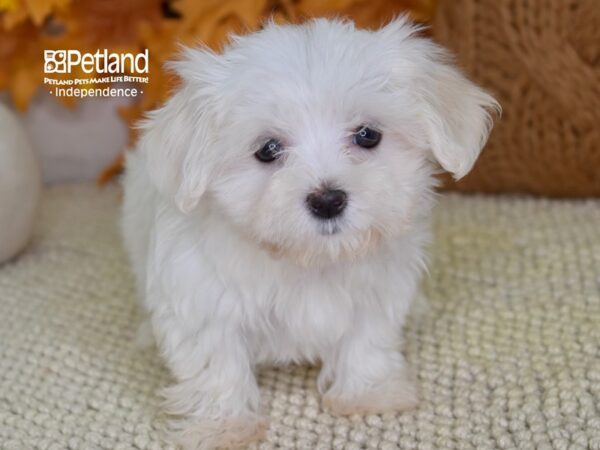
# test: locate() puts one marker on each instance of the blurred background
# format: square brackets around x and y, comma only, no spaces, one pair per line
[541,59]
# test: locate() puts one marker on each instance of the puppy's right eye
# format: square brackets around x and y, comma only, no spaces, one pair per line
[269,152]
[366,137]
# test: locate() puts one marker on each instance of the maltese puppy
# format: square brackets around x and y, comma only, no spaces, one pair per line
[277,208]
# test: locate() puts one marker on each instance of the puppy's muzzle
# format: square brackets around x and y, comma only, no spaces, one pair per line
[327,203]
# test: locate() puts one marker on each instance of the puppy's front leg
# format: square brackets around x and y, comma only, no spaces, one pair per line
[216,396]
[367,374]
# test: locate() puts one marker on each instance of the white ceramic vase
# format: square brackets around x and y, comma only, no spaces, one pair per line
[20,186]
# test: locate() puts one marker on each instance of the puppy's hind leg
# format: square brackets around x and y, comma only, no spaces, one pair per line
[216,398]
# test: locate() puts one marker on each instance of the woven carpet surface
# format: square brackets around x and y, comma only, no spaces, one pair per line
[508,355]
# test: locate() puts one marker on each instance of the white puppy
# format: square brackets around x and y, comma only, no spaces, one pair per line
[277,208]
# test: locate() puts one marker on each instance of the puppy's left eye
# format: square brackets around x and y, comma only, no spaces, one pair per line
[269,152]
[366,137]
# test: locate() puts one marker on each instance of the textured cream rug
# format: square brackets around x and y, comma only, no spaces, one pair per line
[507,357]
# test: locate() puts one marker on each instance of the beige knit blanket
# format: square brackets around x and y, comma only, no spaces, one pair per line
[508,355]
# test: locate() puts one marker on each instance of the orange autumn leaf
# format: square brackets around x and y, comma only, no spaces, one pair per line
[367,13]
[8,5]
[108,23]
[114,169]
[13,12]
[315,8]
[40,9]
[211,21]
[21,63]
[23,87]
[18,11]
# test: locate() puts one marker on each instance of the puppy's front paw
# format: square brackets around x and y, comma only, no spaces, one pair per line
[229,433]
[396,394]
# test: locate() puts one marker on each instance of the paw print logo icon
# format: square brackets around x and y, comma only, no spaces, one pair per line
[55,61]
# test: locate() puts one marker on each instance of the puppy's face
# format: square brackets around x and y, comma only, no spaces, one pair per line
[320,161]
[317,141]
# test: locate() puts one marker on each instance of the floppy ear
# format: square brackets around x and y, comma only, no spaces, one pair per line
[456,113]
[177,139]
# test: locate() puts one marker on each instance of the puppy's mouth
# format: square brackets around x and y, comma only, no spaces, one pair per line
[329,227]
[327,250]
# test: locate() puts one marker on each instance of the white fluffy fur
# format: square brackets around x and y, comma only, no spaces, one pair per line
[232,268]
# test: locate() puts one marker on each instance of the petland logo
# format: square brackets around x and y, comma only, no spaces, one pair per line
[101,62]
[106,73]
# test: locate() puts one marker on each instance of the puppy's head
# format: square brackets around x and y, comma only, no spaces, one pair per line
[317,141]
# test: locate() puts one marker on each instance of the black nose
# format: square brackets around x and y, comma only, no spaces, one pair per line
[327,203]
